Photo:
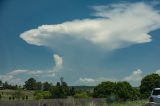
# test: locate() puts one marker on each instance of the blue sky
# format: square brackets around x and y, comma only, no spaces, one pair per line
[85,41]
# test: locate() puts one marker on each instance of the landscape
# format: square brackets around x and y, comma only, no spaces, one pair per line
[79,53]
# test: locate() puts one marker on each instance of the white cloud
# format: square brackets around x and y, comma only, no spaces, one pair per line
[87,80]
[16,72]
[135,78]
[94,81]
[58,60]
[11,77]
[117,26]
[157,71]
[6,77]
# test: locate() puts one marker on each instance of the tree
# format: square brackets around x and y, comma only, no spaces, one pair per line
[56,92]
[61,90]
[104,89]
[6,85]
[1,83]
[30,84]
[124,90]
[72,91]
[46,86]
[38,86]
[148,83]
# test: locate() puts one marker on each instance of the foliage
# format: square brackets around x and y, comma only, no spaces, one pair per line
[104,89]
[81,94]
[38,86]
[61,90]
[18,94]
[30,84]
[46,86]
[148,83]
[41,95]
[120,91]
[124,91]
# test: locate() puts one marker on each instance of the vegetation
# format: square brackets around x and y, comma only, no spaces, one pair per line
[148,83]
[120,91]
[117,93]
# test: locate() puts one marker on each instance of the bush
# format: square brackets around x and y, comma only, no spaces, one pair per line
[81,95]
[13,97]
[148,83]
[104,89]
[120,91]
[10,98]
[42,95]
[26,97]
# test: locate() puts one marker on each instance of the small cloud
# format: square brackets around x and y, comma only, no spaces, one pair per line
[16,72]
[87,80]
[157,71]
[58,60]
[135,78]
[94,81]
[6,77]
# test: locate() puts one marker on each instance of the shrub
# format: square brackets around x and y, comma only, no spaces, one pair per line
[81,95]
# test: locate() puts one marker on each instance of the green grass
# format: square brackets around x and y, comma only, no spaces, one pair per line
[130,103]
[5,94]
[9,93]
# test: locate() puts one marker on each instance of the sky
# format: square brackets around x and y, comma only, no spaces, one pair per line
[84,41]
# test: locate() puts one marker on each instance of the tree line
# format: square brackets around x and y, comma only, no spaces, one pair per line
[112,91]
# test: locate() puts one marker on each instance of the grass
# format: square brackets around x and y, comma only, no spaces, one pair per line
[5,94]
[130,103]
[9,93]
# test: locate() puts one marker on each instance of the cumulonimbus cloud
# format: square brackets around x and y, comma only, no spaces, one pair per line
[116,26]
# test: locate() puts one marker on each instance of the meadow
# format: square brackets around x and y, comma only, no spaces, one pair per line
[6,94]
[70,102]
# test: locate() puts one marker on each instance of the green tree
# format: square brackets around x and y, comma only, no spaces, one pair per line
[1,83]
[104,89]
[56,92]
[46,86]
[61,90]
[148,83]
[30,84]
[38,86]
[124,91]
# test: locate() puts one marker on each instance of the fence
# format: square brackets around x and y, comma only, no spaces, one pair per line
[56,102]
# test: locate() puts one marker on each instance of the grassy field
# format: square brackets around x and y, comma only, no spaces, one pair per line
[66,102]
[5,94]
[130,103]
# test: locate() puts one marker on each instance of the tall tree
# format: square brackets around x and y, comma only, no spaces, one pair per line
[46,86]
[30,84]
[104,89]
[148,83]
[1,83]
[38,86]
[61,90]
